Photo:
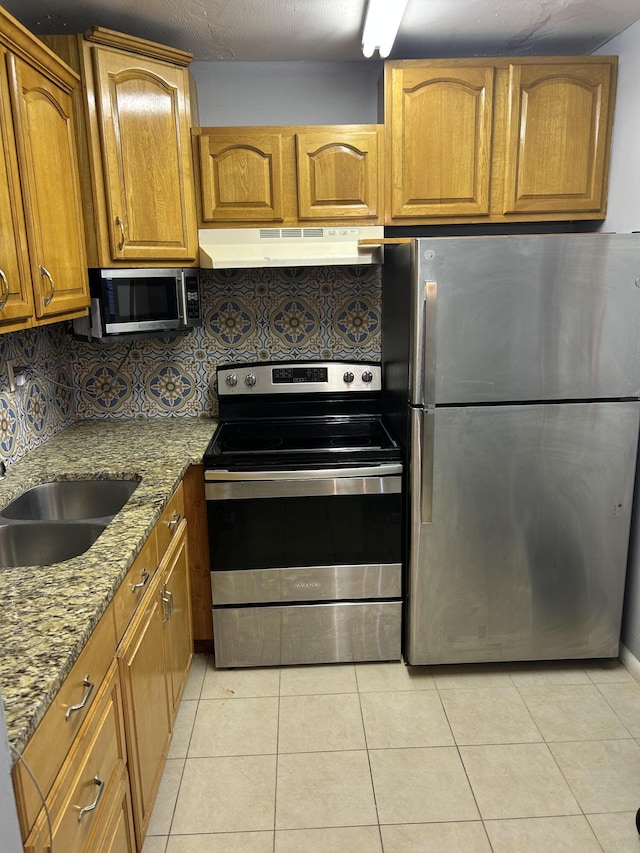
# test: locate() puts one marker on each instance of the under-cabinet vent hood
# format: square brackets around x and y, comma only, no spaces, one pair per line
[236,248]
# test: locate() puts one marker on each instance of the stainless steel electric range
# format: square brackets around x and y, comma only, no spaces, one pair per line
[303,486]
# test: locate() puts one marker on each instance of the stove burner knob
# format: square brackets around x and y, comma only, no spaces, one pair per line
[348,377]
[367,376]
[250,379]
[231,380]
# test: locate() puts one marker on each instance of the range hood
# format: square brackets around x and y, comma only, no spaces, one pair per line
[244,248]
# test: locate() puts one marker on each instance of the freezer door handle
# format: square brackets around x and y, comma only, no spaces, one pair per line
[423,358]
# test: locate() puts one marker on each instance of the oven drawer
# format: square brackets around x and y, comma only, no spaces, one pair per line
[306,583]
[306,634]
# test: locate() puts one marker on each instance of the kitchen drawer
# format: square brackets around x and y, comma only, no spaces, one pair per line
[116,835]
[76,801]
[169,521]
[308,633]
[135,584]
[48,747]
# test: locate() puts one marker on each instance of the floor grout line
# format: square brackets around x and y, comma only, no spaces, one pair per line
[435,690]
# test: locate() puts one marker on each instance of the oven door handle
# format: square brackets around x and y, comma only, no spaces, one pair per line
[296,488]
[219,474]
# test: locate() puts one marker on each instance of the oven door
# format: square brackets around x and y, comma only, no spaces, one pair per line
[294,536]
[305,565]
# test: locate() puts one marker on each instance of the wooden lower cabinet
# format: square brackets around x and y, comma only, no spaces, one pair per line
[178,642]
[82,792]
[100,750]
[153,659]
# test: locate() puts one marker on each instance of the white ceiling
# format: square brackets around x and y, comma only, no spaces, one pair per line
[330,30]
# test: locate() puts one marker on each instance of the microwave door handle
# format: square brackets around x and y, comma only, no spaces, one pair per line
[181,300]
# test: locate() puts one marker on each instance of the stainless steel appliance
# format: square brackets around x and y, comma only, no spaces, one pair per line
[303,489]
[512,376]
[128,303]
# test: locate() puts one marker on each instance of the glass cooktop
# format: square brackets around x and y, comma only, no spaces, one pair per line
[351,440]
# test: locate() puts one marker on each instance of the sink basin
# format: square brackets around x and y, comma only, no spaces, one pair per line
[70,500]
[42,543]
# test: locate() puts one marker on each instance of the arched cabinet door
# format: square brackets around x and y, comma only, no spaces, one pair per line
[241,175]
[51,191]
[558,137]
[438,120]
[144,124]
[339,173]
[16,297]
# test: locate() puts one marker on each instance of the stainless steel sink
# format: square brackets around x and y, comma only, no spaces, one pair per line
[70,500]
[43,543]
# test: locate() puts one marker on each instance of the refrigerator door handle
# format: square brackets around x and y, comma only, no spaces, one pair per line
[422,469]
[428,439]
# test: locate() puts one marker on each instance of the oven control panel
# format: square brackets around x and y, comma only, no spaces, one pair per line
[298,377]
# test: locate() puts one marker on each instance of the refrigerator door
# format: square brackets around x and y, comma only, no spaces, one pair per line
[507,319]
[519,531]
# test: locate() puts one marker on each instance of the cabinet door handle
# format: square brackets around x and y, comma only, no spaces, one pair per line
[120,225]
[170,594]
[89,685]
[166,606]
[144,574]
[100,783]
[47,299]
[175,521]
[4,289]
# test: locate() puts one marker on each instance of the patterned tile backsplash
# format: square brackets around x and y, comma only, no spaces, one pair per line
[249,315]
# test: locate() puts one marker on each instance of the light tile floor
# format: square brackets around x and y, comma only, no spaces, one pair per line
[368,758]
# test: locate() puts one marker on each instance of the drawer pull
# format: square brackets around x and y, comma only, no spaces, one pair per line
[89,685]
[96,781]
[175,521]
[144,574]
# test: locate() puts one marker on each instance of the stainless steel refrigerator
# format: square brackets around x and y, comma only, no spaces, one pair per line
[512,377]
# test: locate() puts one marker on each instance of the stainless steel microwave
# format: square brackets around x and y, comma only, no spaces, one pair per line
[130,303]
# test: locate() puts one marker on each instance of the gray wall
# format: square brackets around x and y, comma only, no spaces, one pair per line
[624,215]
[624,179]
[264,93]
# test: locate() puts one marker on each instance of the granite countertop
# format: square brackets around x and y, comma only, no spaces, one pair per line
[47,613]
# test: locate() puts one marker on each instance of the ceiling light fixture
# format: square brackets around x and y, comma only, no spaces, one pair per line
[381,26]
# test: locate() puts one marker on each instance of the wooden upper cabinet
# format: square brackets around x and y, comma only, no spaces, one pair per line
[438,120]
[134,148]
[498,140]
[51,192]
[144,127]
[289,176]
[558,137]
[339,173]
[241,175]
[16,295]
